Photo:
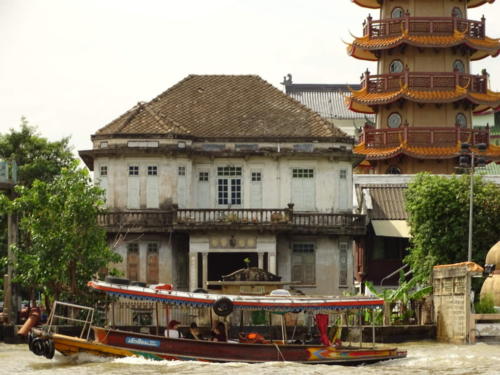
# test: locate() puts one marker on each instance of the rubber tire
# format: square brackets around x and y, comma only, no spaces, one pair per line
[117,280]
[31,337]
[223,306]
[200,290]
[38,346]
[138,283]
[49,349]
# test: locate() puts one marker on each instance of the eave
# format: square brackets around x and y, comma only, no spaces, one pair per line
[376,4]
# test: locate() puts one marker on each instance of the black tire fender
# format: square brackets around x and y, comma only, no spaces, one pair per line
[223,306]
[38,346]
[49,349]
[117,280]
[200,290]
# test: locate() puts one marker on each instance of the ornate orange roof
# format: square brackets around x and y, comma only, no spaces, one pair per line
[418,152]
[363,47]
[363,101]
[375,4]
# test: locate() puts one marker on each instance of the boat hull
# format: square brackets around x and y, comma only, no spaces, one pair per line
[116,343]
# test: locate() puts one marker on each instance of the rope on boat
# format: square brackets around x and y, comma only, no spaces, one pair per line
[279,351]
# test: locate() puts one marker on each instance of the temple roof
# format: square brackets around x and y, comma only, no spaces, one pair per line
[375,4]
[326,99]
[363,47]
[418,152]
[362,101]
[215,106]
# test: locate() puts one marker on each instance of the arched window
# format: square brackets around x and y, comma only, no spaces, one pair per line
[457,12]
[461,120]
[394,120]
[459,65]
[396,66]
[397,12]
[393,170]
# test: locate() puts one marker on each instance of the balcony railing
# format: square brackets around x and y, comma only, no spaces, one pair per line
[423,26]
[243,219]
[444,81]
[423,136]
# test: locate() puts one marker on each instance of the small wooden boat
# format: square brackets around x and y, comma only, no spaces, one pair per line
[119,343]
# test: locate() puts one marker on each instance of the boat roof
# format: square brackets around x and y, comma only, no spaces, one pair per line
[271,303]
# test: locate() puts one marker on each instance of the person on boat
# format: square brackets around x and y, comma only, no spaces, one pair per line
[194,332]
[219,333]
[172,330]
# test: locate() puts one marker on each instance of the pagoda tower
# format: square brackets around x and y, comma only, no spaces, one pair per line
[423,93]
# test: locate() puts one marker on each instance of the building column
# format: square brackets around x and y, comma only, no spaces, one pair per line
[193,271]
[204,270]
[260,263]
[272,262]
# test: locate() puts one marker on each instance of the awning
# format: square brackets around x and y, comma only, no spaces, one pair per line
[391,228]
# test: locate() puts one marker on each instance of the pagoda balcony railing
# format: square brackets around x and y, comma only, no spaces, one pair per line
[423,136]
[232,218]
[424,81]
[423,26]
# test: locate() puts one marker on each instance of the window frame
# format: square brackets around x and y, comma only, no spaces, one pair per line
[133,170]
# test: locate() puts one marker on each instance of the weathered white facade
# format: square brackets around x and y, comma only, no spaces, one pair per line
[188,209]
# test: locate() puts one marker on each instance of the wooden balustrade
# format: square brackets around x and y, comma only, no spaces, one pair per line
[185,219]
[423,81]
[423,26]
[423,136]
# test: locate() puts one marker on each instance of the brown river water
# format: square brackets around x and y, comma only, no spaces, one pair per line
[423,358]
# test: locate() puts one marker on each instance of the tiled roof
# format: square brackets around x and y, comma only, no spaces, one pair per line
[418,152]
[388,201]
[363,47]
[222,106]
[326,99]
[375,4]
[361,101]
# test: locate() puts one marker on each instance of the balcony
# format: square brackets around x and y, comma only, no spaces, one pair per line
[422,26]
[428,81]
[422,136]
[274,220]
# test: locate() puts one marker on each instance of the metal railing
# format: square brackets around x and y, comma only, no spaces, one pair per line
[73,310]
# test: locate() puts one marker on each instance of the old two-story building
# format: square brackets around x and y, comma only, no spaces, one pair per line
[219,170]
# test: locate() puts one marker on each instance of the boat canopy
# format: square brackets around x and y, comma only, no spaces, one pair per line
[239,302]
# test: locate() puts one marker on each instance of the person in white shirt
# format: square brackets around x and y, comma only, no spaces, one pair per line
[172,330]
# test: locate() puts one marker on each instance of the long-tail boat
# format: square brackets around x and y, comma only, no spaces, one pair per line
[120,343]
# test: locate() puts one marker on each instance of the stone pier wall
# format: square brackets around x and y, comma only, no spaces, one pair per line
[452,301]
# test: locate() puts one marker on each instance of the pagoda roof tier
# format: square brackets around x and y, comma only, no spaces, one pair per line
[376,4]
[419,87]
[422,142]
[423,32]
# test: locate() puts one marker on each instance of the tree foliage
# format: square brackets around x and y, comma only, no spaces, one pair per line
[65,247]
[37,158]
[438,209]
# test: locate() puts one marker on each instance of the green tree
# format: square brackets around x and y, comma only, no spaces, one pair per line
[438,209]
[37,159]
[64,246]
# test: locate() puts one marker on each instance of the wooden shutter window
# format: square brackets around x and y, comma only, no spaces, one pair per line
[133,261]
[153,266]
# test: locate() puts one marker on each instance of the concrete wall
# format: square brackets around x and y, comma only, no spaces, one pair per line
[167,267]
[330,192]
[452,302]
[327,263]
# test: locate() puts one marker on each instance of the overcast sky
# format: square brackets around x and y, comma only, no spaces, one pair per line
[72,66]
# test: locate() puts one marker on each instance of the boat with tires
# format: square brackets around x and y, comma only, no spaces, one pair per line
[249,347]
